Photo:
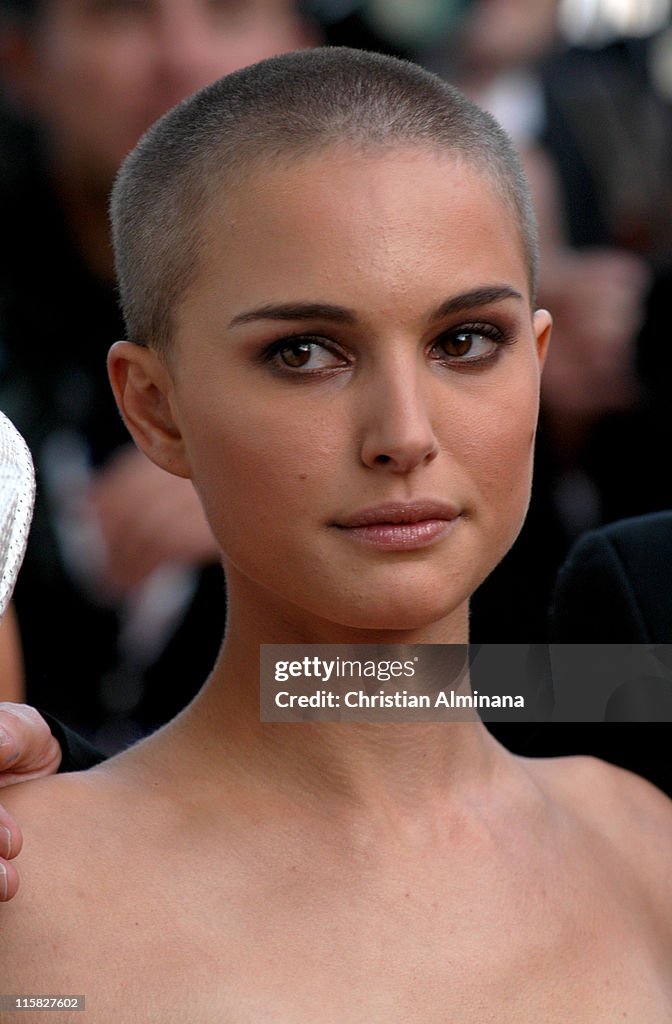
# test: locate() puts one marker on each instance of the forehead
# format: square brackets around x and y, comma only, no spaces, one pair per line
[393,222]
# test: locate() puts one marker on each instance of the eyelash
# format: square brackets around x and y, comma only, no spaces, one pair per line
[489,331]
[295,341]
[500,339]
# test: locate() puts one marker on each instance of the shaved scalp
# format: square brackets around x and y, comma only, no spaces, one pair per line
[280,110]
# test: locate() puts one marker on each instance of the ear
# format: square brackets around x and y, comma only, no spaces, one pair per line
[543,326]
[143,388]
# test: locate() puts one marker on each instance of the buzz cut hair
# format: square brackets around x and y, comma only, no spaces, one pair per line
[282,109]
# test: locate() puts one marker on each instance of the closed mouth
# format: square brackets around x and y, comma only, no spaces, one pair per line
[399,515]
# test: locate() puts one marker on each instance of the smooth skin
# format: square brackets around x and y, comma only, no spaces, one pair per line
[227,870]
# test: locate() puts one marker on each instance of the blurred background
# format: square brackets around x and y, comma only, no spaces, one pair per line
[121,603]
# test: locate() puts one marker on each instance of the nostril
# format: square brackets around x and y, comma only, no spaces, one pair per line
[383,459]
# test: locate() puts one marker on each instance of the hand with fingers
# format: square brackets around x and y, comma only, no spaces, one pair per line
[27,750]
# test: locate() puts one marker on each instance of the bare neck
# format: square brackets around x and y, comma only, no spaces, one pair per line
[388,770]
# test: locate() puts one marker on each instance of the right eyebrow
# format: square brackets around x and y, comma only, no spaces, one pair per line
[296,311]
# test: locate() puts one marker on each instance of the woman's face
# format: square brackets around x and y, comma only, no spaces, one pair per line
[356,380]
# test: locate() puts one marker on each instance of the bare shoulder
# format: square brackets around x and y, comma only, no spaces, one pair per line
[624,806]
[64,807]
[68,819]
[56,810]
[51,812]
[47,809]
[59,817]
[77,830]
[628,818]
[84,875]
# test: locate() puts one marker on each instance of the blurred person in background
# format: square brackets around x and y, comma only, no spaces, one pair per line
[113,564]
[597,141]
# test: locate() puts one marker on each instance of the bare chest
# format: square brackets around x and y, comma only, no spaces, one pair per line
[296,953]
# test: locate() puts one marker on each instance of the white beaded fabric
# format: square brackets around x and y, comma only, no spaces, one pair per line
[17,497]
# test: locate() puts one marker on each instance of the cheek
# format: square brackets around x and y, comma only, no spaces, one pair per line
[499,457]
[259,472]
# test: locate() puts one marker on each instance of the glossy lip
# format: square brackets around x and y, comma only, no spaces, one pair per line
[407,512]
[400,527]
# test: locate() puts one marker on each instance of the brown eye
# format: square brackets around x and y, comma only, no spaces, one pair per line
[467,345]
[459,345]
[297,354]
[306,354]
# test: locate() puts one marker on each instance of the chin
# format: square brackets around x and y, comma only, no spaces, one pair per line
[401,612]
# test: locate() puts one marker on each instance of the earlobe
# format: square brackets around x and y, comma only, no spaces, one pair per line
[543,326]
[142,387]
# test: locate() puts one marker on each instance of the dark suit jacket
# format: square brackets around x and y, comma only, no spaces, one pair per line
[616,585]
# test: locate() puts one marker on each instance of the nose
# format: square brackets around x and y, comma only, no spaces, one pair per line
[398,434]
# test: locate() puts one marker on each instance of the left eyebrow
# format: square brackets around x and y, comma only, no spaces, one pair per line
[340,314]
[477,297]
